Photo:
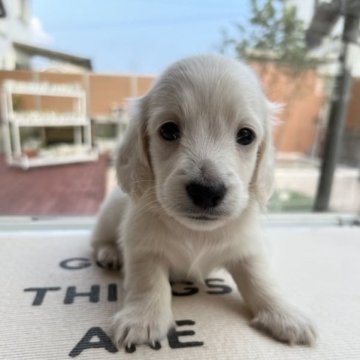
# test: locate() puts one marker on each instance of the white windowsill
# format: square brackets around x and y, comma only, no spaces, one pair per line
[85,223]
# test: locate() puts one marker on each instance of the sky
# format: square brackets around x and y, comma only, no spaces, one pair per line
[136,36]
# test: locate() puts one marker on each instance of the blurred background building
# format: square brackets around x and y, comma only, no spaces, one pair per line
[299,135]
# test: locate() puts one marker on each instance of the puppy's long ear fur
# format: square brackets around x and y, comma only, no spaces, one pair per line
[263,180]
[133,167]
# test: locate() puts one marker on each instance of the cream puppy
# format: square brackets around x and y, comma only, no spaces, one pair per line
[196,166]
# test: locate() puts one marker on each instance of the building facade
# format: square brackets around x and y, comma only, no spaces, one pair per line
[15,26]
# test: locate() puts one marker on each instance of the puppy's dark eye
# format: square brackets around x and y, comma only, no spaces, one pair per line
[169,131]
[245,136]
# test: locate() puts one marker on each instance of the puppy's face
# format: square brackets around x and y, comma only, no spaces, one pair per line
[206,122]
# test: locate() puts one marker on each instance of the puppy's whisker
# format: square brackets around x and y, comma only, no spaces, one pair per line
[147,207]
[150,205]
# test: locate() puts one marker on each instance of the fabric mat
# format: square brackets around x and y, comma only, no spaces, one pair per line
[318,268]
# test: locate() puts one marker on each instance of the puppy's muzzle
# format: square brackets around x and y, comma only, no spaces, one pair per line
[206,196]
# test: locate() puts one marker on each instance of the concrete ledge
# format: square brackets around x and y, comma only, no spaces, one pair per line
[51,223]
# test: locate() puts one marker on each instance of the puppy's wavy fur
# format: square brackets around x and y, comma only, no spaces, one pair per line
[156,231]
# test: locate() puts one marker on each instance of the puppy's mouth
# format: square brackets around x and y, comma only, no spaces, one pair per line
[202,221]
[202,217]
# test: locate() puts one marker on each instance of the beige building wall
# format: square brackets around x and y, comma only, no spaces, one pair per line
[302,95]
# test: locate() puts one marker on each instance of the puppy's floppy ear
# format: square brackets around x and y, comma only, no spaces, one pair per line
[263,178]
[133,166]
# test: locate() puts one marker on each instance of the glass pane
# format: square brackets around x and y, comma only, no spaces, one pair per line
[69,71]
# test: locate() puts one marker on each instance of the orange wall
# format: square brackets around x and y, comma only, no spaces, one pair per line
[353,111]
[106,92]
[302,98]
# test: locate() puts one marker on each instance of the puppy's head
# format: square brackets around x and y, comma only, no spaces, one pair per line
[201,140]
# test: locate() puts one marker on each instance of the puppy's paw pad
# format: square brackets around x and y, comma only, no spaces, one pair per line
[130,328]
[290,327]
[108,257]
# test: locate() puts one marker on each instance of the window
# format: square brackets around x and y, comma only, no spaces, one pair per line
[62,149]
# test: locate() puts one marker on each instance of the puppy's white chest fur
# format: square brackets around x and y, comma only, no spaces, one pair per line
[197,165]
[188,253]
[196,259]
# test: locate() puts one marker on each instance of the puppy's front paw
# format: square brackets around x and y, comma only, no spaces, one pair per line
[108,256]
[133,326]
[289,326]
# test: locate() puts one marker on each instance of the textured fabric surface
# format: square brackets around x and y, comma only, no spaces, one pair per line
[318,268]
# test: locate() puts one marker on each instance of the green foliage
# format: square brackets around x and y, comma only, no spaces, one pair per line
[275,33]
[285,200]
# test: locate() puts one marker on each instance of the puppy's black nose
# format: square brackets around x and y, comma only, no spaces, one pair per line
[206,196]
